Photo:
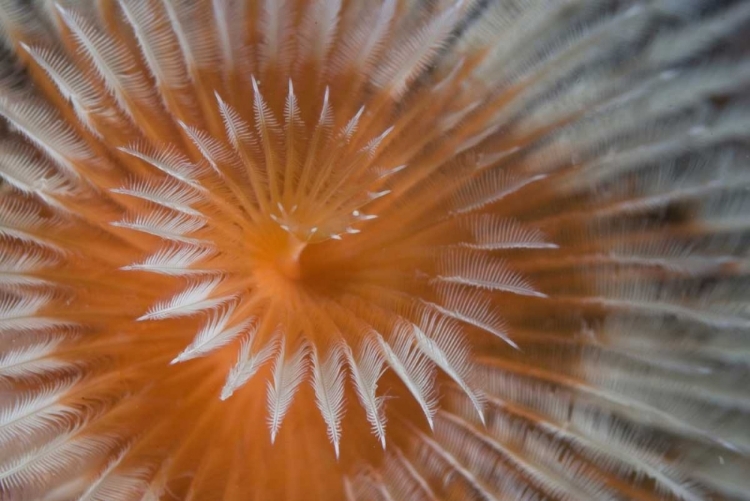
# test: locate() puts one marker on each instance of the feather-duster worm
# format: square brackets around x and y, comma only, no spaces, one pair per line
[374,250]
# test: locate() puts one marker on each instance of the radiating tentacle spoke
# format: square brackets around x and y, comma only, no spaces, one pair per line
[392,249]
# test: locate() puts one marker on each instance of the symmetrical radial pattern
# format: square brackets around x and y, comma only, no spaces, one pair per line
[374,250]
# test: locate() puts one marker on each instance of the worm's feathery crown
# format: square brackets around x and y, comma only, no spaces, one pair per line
[505,242]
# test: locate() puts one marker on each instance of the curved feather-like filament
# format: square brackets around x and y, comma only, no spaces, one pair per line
[36,411]
[42,125]
[211,148]
[22,268]
[409,482]
[17,20]
[158,43]
[175,259]
[33,360]
[129,484]
[267,129]
[415,53]
[229,16]
[195,36]
[74,86]
[473,307]
[445,346]
[481,271]
[114,64]
[155,488]
[410,177]
[194,299]
[22,221]
[276,29]
[170,194]
[367,484]
[617,441]
[20,312]
[65,452]
[366,367]
[107,483]
[413,368]
[328,383]
[440,460]
[288,374]
[31,175]
[248,363]
[490,232]
[488,188]
[167,159]
[364,42]
[537,459]
[238,131]
[245,144]
[317,30]
[655,300]
[214,334]
[319,135]
[293,128]
[165,225]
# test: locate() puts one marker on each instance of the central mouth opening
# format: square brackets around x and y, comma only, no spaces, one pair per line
[289,261]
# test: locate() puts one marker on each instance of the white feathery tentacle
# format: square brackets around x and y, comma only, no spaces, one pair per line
[170,194]
[108,484]
[414,54]
[175,259]
[275,25]
[473,307]
[414,369]
[20,268]
[20,169]
[488,188]
[23,221]
[158,43]
[248,363]
[72,85]
[167,159]
[194,35]
[238,130]
[43,126]
[111,60]
[22,312]
[328,383]
[33,360]
[561,187]
[482,271]
[196,298]
[318,28]
[288,374]
[442,342]
[165,225]
[366,369]
[364,42]
[36,411]
[492,233]
[65,451]
[214,334]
